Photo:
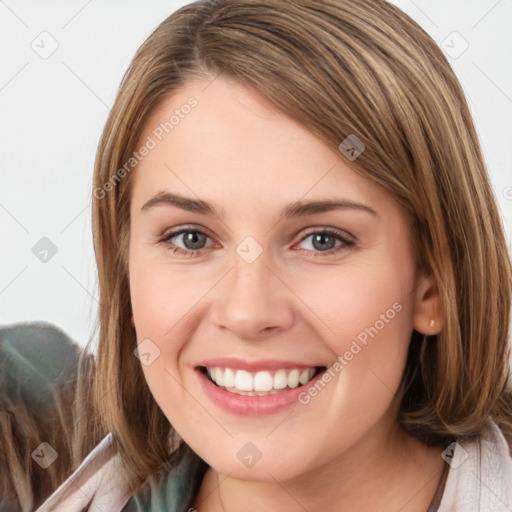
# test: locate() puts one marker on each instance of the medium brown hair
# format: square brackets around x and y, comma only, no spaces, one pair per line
[338,67]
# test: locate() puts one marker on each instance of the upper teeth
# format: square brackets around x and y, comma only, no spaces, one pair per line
[259,382]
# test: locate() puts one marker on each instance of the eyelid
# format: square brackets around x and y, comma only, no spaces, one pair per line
[337,231]
[347,240]
[185,227]
[172,232]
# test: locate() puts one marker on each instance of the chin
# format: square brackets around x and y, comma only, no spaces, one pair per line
[245,464]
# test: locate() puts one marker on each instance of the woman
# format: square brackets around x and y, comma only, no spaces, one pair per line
[305,285]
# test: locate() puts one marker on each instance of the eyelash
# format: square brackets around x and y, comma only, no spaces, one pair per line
[346,243]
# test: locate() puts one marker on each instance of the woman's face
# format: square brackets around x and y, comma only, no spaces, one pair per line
[249,290]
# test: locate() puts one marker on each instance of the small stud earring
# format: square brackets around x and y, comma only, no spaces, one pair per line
[432,323]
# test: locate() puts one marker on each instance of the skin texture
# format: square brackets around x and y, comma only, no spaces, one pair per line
[343,450]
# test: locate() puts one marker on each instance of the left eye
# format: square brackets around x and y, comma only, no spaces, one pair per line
[323,241]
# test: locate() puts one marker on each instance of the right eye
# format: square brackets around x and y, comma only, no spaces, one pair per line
[192,239]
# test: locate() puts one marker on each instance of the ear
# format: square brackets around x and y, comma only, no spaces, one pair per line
[428,314]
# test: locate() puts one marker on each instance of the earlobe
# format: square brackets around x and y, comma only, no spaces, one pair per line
[428,315]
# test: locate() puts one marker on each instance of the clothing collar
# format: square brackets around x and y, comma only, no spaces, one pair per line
[479,478]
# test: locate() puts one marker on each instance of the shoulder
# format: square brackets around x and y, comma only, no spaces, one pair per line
[480,474]
[101,482]
[173,487]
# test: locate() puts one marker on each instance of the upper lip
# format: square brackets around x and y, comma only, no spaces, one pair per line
[253,365]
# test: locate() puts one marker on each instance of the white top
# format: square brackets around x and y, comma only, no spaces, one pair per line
[101,482]
[479,479]
[480,475]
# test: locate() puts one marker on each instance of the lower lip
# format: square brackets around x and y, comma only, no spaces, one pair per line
[252,405]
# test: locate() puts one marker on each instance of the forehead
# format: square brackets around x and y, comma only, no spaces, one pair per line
[235,148]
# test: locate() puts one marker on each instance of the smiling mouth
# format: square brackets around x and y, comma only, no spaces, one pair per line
[262,383]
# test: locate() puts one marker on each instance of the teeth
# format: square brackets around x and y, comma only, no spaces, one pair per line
[229,378]
[263,381]
[243,380]
[280,380]
[304,377]
[293,378]
[218,376]
[259,383]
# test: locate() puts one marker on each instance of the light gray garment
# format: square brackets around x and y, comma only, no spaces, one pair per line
[479,479]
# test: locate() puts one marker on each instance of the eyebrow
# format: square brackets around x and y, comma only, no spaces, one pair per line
[296,209]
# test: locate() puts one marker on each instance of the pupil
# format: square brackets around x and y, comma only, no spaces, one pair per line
[319,241]
[321,238]
[193,237]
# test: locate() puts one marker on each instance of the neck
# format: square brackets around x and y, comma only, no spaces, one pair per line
[387,472]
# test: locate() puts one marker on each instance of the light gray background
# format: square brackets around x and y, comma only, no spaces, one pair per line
[53,110]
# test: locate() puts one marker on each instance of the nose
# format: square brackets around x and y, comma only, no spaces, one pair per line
[253,301]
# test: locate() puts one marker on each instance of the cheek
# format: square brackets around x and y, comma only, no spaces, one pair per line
[166,304]
[369,322]
[365,316]
[162,300]
[360,304]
